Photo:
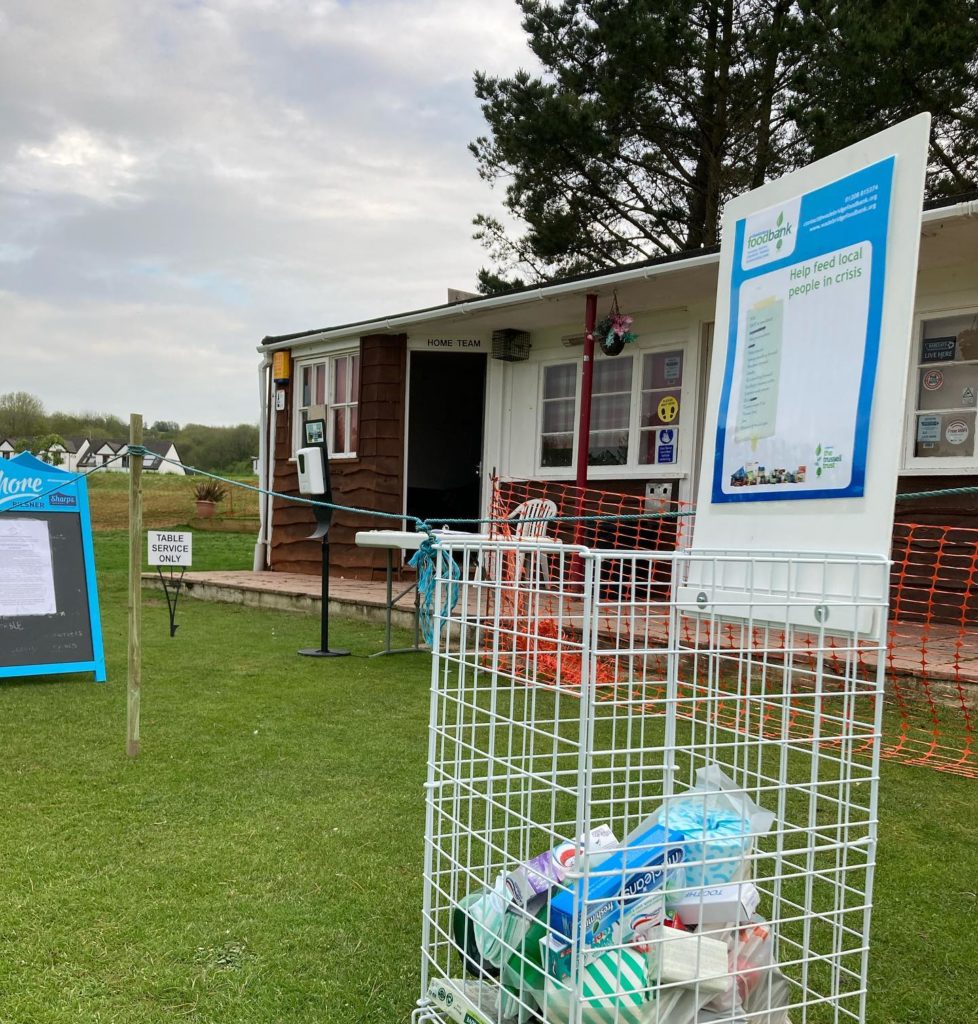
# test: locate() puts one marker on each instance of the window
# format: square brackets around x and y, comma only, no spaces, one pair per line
[333,384]
[662,381]
[636,410]
[945,390]
[611,412]
[559,405]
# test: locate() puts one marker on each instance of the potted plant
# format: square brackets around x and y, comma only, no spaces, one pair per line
[614,332]
[208,493]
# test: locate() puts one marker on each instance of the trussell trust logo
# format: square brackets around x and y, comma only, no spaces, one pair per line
[770,234]
[13,488]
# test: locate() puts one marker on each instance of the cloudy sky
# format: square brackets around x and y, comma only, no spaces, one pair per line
[179,178]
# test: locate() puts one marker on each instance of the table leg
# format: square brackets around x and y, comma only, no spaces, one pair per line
[390,598]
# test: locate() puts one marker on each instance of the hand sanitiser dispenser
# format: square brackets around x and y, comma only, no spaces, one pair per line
[312,471]
[314,482]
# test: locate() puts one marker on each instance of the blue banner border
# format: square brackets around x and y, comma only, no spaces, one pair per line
[58,484]
[872,227]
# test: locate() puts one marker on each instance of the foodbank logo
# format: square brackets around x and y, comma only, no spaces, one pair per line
[782,230]
[771,234]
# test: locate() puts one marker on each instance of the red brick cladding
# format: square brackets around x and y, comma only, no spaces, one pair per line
[374,479]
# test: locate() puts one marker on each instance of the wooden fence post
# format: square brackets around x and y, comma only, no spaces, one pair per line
[135,585]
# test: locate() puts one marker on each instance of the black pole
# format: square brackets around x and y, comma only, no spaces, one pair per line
[324,595]
[323,650]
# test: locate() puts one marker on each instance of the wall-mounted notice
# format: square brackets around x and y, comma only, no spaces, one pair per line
[448,343]
[806,297]
[806,406]
[26,569]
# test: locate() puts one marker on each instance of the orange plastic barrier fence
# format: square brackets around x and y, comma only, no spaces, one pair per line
[614,530]
[931,694]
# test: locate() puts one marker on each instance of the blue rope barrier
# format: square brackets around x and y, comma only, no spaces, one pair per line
[425,562]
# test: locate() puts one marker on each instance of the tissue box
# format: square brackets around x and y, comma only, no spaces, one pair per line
[614,989]
[722,904]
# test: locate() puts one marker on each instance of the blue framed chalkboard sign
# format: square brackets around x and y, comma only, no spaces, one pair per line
[49,614]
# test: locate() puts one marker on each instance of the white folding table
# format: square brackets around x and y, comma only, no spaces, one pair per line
[395,540]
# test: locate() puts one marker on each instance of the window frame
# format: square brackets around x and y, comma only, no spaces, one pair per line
[300,365]
[662,342]
[541,405]
[923,465]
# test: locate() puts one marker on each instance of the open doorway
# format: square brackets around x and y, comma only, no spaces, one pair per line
[446,401]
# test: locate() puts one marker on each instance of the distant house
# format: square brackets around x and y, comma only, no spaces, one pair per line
[65,456]
[162,450]
[7,450]
[114,456]
[101,454]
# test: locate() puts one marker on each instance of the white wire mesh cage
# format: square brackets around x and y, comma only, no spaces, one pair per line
[651,793]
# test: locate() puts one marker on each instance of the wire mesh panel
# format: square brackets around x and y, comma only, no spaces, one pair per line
[646,807]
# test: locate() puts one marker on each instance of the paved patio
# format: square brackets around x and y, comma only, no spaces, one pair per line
[298,592]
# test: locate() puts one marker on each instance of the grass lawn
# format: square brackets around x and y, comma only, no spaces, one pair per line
[260,863]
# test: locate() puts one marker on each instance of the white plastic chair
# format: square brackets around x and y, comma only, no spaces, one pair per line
[528,524]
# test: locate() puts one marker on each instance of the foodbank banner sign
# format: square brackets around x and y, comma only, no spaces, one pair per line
[806,305]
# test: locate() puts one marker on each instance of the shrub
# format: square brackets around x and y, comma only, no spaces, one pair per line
[210,490]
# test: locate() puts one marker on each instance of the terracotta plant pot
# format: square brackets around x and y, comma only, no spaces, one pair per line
[206,509]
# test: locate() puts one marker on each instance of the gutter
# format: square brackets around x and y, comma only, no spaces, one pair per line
[540,294]
[968,209]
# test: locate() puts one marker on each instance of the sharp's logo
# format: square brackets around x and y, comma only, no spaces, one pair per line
[62,499]
[15,488]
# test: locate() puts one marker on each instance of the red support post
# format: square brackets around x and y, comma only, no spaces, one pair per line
[584,427]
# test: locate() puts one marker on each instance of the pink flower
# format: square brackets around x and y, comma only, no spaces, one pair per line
[620,323]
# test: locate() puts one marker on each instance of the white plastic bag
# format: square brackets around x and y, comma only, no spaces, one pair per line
[759,986]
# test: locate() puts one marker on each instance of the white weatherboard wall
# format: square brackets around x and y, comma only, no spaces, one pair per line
[863,524]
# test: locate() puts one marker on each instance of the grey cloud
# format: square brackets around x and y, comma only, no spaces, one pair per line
[177,180]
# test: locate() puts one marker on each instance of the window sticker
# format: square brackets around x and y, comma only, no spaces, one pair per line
[957,432]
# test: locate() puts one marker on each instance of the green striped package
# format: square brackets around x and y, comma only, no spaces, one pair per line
[614,990]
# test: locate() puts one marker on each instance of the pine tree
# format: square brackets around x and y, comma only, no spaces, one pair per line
[648,115]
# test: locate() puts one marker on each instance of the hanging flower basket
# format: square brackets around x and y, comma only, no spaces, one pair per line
[614,332]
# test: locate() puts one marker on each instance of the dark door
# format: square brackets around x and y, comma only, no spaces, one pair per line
[446,400]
